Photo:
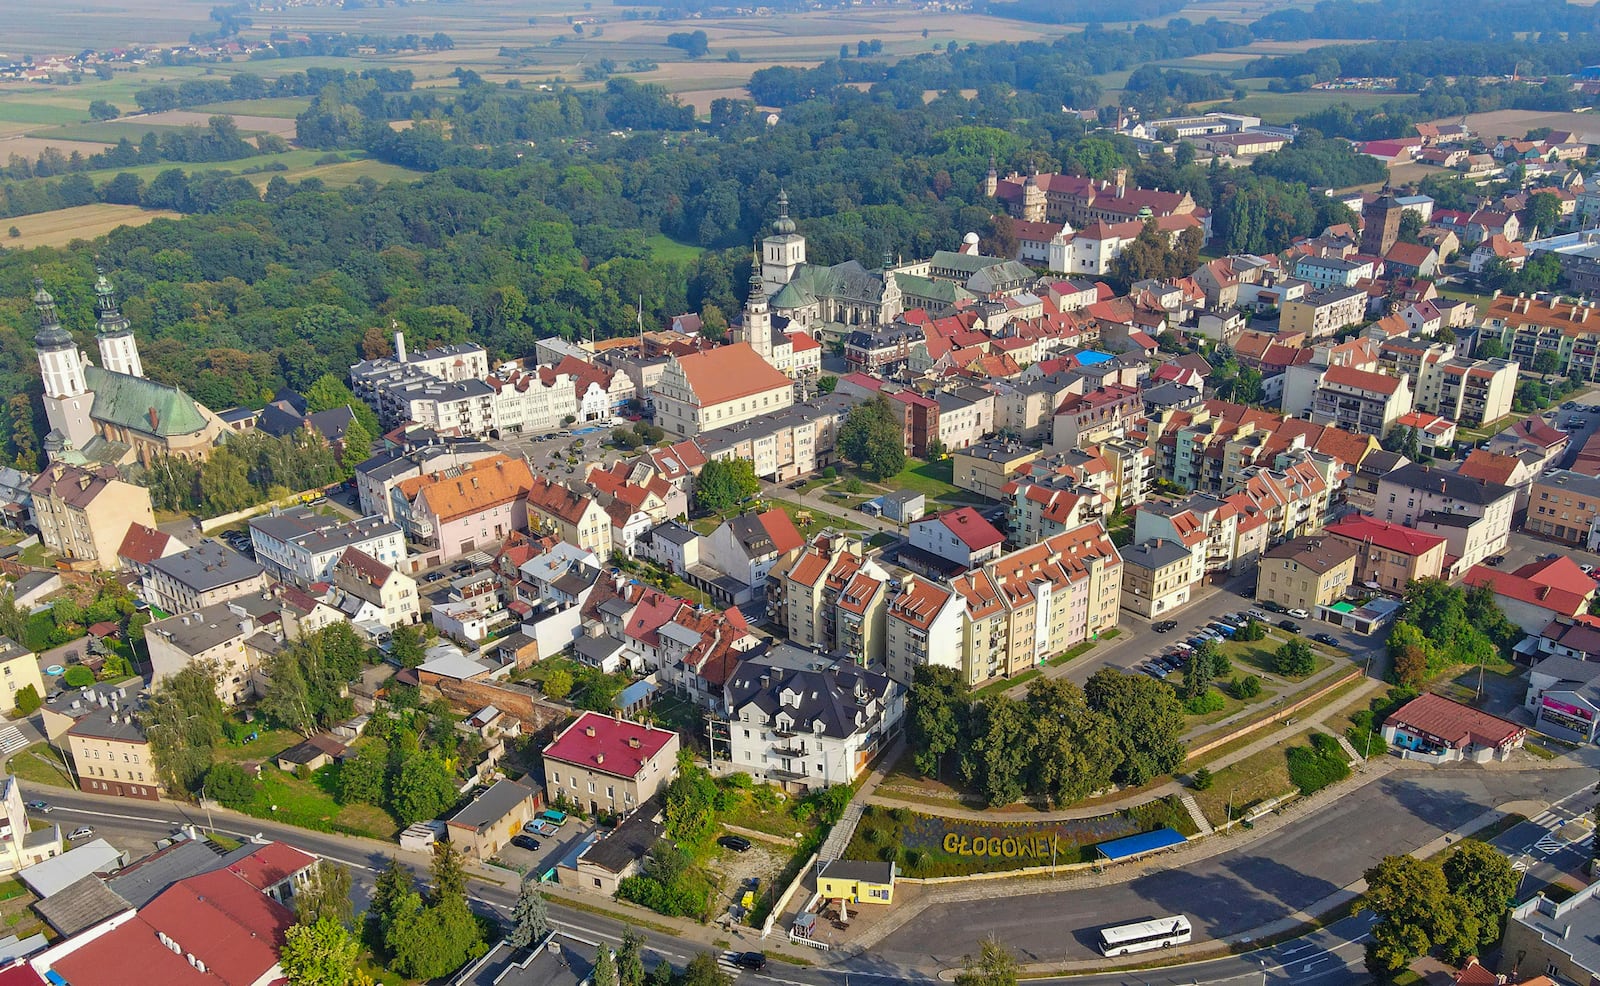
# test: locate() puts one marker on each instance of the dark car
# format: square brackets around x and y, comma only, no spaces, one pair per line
[1494,559]
[737,843]
[43,806]
[1289,625]
[1273,607]
[1165,626]
[1326,638]
[527,842]
[754,961]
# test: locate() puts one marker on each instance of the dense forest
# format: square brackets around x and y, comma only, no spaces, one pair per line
[1429,20]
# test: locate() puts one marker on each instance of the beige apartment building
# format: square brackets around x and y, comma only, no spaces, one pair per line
[1306,572]
[376,591]
[609,764]
[1158,577]
[718,387]
[987,466]
[83,513]
[112,756]
[19,668]
[576,518]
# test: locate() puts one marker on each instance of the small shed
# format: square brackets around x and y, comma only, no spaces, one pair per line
[313,753]
[900,506]
[857,881]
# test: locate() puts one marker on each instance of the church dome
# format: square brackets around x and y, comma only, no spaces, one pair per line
[783,225]
[50,335]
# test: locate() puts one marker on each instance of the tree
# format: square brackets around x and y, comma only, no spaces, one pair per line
[936,709]
[1294,659]
[1410,226]
[726,483]
[630,957]
[1484,881]
[557,684]
[1146,724]
[360,779]
[357,447]
[1197,672]
[448,872]
[873,438]
[605,968]
[323,953]
[230,786]
[531,917]
[405,645]
[99,109]
[1491,349]
[1070,750]
[422,789]
[997,754]
[28,700]
[184,722]
[1547,361]
[703,970]
[1412,901]
[1544,213]
[691,803]
[994,965]
[286,700]
[326,896]
[826,384]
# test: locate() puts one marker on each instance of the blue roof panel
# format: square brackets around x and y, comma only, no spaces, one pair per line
[1138,845]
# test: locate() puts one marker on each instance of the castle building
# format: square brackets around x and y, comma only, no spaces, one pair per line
[1380,224]
[111,414]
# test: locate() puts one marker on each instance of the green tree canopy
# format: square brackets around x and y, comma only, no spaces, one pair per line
[873,438]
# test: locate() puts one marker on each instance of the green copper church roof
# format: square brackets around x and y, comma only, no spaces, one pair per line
[142,405]
[947,292]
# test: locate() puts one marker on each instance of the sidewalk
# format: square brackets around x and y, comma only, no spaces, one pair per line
[1268,738]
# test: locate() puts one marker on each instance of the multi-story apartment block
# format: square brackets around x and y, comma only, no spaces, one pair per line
[1390,556]
[1306,573]
[924,626]
[302,546]
[1360,401]
[1158,577]
[83,513]
[1332,272]
[375,591]
[1101,414]
[804,729]
[377,478]
[576,518]
[1528,326]
[1562,506]
[1324,312]
[201,576]
[1473,515]
[987,467]
[609,764]
[1465,390]
[836,600]
[1057,593]
[112,755]
[220,633]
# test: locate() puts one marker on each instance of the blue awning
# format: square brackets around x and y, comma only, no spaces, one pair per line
[1138,845]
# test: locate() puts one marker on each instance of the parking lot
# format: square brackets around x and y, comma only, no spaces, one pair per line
[1174,652]
[551,848]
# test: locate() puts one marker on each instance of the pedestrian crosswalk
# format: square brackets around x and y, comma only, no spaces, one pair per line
[1520,865]
[11,740]
[726,963]
[1549,844]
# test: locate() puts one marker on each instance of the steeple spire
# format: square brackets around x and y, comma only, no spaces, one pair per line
[783,225]
[757,287]
[119,352]
[50,335]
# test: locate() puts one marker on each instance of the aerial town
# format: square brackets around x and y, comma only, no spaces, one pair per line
[588,545]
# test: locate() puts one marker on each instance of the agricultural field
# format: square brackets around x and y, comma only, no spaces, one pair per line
[1282,107]
[84,222]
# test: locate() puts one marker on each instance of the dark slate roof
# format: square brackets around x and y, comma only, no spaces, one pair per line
[834,698]
[1154,554]
[1451,484]
[142,882]
[492,805]
[81,905]
[751,534]
[630,841]
[209,566]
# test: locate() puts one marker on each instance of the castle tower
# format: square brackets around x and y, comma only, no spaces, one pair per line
[1380,223]
[991,181]
[782,253]
[119,351]
[757,317]
[67,399]
[1033,201]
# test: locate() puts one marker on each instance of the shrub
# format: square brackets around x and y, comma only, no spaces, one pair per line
[889,853]
[1206,703]
[28,701]
[78,676]
[900,815]
[873,835]
[830,473]
[1294,659]
[1203,779]
[1314,768]
[1245,688]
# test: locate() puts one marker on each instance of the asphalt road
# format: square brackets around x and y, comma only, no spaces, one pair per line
[1234,892]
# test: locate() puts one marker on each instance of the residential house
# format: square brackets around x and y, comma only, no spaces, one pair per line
[221,632]
[857,881]
[375,592]
[960,539]
[143,545]
[986,467]
[1307,573]
[203,576]
[1435,436]
[21,845]
[806,729]
[111,754]
[577,519]
[84,512]
[1390,556]
[1158,577]
[1537,593]
[1323,273]
[745,548]
[1562,506]
[19,670]
[1411,260]
[609,764]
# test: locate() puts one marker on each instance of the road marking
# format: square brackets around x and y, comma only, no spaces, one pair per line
[1549,844]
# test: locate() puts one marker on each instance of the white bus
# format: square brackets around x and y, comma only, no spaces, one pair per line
[1141,937]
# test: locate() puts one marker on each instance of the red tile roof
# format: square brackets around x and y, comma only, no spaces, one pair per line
[728,373]
[780,528]
[1377,383]
[1490,466]
[967,524]
[1453,723]
[271,864]
[1391,537]
[1515,585]
[607,745]
[143,545]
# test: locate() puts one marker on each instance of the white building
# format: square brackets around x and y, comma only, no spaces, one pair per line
[303,546]
[808,729]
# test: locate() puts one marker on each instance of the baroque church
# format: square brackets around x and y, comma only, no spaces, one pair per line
[803,297]
[110,414]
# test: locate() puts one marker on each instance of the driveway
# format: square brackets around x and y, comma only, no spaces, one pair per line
[551,850]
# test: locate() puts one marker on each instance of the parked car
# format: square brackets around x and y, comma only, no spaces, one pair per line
[552,817]
[1164,626]
[81,832]
[1155,671]
[1299,614]
[527,842]
[1568,405]
[1274,607]
[737,843]
[1225,628]
[1289,625]
[1326,638]
[754,961]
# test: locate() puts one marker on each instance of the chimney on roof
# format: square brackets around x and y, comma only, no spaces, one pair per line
[633,743]
[600,758]
[589,731]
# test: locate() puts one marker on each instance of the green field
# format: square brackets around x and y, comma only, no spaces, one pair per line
[1281,107]
[24,112]
[287,107]
[664,248]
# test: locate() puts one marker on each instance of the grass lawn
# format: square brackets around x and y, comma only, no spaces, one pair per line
[931,479]
[1072,653]
[287,107]
[36,555]
[1006,684]
[778,820]
[808,520]
[284,797]
[668,250]
[28,766]
[269,743]
[1230,705]
[1240,786]
[1257,655]
[1281,107]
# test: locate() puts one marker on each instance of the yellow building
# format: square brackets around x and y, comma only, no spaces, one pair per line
[718,387]
[19,668]
[112,755]
[84,513]
[986,467]
[1306,572]
[857,881]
